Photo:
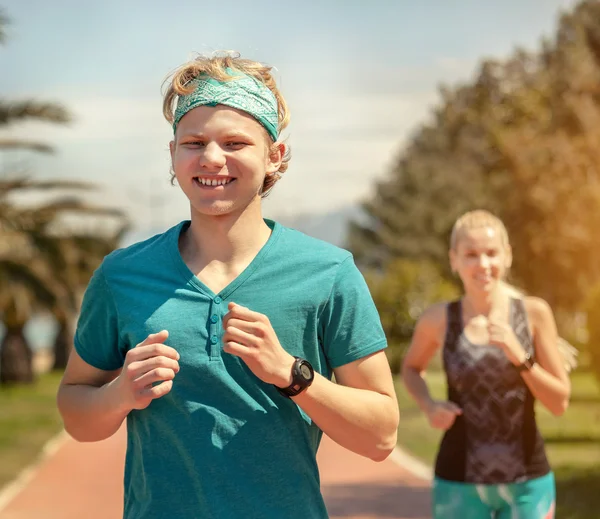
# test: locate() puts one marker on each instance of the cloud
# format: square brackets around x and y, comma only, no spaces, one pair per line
[456,67]
[340,145]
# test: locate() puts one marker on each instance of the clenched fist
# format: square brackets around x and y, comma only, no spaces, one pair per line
[441,415]
[250,336]
[151,361]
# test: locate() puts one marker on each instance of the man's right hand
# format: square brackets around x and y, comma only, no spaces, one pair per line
[441,414]
[151,361]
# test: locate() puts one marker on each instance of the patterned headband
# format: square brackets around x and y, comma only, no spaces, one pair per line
[242,92]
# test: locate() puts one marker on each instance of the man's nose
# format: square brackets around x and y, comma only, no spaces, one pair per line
[212,156]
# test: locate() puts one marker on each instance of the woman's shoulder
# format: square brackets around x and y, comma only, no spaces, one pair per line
[538,309]
[435,317]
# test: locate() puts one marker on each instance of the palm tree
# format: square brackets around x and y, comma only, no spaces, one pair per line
[44,261]
[17,111]
[44,266]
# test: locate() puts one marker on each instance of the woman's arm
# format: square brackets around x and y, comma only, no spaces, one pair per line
[547,379]
[426,341]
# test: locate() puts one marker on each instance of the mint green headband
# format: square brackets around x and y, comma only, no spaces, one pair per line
[242,92]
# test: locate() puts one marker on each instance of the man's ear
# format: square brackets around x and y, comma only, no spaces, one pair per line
[275,157]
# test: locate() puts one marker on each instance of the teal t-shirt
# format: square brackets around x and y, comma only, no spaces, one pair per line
[223,444]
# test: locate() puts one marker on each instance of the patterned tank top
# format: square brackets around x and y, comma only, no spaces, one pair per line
[496,439]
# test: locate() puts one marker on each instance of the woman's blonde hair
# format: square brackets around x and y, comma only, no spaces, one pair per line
[180,83]
[474,220]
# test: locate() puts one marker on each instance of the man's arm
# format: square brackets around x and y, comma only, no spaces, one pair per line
[360,412]
[88,402]
[93,403]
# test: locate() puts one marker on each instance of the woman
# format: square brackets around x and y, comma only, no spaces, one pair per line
[500,354]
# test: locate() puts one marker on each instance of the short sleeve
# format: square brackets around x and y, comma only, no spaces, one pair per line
[350,324]
[97,333]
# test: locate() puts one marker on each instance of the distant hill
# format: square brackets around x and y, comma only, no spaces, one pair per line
[331,227]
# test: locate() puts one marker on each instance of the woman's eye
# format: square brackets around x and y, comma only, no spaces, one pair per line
[235,144]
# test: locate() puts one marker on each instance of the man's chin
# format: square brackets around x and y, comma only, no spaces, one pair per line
[215,208]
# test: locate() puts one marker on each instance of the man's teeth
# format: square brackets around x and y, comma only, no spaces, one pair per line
[213,181]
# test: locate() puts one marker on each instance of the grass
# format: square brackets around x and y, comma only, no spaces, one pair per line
[572,442]
[28,419]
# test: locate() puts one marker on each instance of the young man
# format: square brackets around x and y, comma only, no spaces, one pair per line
[217,340]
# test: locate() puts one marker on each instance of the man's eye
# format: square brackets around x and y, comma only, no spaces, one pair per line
[235,144]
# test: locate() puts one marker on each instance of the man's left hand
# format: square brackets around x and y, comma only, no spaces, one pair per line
[250,336]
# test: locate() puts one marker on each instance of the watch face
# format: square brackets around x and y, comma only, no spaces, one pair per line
[305,371]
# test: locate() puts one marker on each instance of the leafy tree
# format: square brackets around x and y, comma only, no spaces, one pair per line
[401,293]
[520,140]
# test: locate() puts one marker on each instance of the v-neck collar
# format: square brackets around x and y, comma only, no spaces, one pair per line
[192,279]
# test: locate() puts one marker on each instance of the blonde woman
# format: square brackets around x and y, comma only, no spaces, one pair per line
[500,354]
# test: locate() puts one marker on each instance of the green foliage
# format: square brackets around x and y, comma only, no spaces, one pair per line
[521,140]
[401,292]
[28,420]
[593,317]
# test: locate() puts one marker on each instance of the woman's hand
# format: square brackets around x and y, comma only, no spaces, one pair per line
[502,336]
[442,414]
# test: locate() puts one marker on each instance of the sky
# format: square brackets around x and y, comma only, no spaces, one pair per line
[359,78]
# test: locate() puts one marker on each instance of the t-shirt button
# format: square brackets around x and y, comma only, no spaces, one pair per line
[214,318]
[214,339]
[218,300]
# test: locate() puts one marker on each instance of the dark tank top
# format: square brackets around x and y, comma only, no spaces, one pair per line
[496,439]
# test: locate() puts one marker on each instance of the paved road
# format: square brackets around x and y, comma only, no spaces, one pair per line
[84,481]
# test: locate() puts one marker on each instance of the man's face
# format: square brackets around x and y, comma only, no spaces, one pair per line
[220,156]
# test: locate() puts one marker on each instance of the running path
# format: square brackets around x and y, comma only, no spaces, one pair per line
[85,481]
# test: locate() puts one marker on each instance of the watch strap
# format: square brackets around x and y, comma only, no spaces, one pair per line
[527,364]
[299,383]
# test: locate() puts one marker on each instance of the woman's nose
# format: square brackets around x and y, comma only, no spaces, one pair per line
[484,260]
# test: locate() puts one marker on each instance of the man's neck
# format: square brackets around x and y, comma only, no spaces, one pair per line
[227,242]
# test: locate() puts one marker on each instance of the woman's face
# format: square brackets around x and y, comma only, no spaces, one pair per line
[480,258]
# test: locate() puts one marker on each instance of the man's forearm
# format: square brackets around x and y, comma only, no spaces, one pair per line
[365,422]
[91,413]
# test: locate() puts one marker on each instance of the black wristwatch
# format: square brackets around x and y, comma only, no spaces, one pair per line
[527,364]
[303,375]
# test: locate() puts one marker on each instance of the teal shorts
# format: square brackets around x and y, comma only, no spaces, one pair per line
[533,499]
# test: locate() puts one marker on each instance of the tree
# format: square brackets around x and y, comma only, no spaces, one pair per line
[44,261]
[44,265]
[520,140]
[401,293]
